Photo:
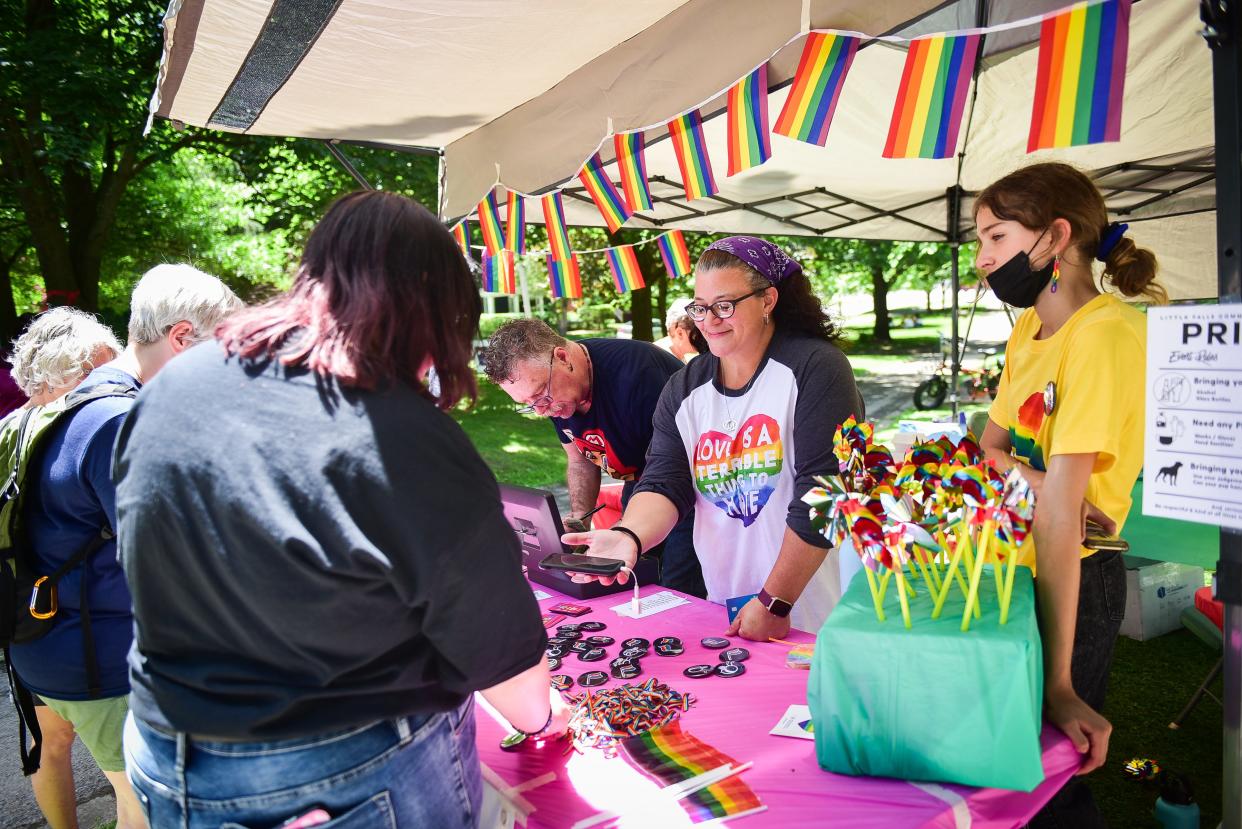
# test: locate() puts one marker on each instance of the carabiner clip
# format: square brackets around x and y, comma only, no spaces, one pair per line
[45,609]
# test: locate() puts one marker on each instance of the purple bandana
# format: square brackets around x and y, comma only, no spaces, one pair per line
[765,257]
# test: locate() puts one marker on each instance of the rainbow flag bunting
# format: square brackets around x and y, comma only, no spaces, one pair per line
[515,226]
[461,234]
[632,163]
[499,275]
[623,263]
[604,193]
[750,143]
[675,254]
[812,100]
[489,223]
[696,168]
[565,277]
[1081,77]
[554,221]
[928,113]
[671,755]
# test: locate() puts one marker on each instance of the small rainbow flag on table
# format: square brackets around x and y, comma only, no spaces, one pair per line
[515,226]
[554,221]
[632,162]
[675,254]
[623,263]
[489,223]
[499,275]
[686,132]
[604,193]
[1081,77]
[461,234]
[932,95]
[564,277]
[812,100]
[750,143]
[671,755]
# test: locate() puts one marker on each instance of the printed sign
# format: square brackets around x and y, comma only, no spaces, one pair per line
[1193,446]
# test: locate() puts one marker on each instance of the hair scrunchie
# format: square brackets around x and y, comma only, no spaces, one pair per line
[1112,235]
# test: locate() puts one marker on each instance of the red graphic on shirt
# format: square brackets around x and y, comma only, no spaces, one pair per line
[596,449]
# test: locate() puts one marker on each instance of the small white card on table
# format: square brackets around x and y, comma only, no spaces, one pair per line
[650,605]
[795,722]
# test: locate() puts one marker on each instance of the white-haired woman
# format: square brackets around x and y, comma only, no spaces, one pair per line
[683,339]
[57,350]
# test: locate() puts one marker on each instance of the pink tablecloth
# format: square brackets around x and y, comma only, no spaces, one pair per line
[735,715]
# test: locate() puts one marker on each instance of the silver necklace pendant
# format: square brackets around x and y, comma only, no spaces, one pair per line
[730,425]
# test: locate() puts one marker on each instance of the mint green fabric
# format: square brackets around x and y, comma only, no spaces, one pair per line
[930,703]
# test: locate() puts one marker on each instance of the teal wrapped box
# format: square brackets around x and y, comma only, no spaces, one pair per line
[932,702]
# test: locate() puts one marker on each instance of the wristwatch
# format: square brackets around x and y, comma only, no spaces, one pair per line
[777,607]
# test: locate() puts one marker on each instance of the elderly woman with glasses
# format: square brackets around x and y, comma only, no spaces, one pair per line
[739,437]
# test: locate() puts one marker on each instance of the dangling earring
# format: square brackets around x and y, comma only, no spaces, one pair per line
[1056,272]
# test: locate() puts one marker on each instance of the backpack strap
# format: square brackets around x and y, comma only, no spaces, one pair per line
[27,719]
[11,487]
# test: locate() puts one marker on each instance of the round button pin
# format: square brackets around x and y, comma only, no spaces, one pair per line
[558,640]
[581,646]
[554,662]
[626,671]
[592,655]
[634,653]
[668,640]
[699,671]
[730,669]
[621,660]
[562,682]
[668,649]
[600,641]
[715,643]
[557,651]
[592,678]
[735,655]
[636,642]
[569,634]
[592,627]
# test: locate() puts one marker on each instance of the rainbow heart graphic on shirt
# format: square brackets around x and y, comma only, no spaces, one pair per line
[738,472]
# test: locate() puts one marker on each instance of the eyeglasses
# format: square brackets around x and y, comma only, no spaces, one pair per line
[722,309]
[545,399]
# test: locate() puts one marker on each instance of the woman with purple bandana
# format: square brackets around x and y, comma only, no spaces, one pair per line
[740,435]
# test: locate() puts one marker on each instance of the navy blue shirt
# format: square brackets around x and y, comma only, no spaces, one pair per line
[626,381]
[73,499]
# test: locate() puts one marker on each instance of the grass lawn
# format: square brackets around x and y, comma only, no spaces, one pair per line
[1150,680]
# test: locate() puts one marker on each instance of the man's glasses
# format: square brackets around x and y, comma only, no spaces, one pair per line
[723,309]
[544,400]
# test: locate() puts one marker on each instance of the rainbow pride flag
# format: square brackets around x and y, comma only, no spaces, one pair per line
[515,226]
[932,95]
[671,755]
[554,221]
[696,168]
[812,100]
[604,193]
[632,163]
[499,275]
[489,223]
[623,263]
[750,143]
[675,254]
[1081,76]
[461,234]
[564,277]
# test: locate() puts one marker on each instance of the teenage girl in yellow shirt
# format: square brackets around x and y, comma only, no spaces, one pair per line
[1069,412]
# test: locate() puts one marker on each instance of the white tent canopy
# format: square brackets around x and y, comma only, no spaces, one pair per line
[521,94]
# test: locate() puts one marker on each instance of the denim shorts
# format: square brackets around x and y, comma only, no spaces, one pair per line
[413,771]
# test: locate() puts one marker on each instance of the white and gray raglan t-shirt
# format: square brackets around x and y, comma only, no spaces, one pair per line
[743,459]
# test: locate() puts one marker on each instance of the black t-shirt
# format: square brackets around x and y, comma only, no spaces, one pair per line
[628,378]
[305,558]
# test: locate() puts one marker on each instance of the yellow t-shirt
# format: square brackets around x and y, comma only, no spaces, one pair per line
[1078,391]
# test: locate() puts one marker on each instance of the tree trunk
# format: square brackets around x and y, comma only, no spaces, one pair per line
[8,308]
[928,292]
[661,304]
[879,304]
[640,300]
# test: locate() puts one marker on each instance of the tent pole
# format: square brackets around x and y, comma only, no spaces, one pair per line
[1222,30]
[954,200]
[336,153]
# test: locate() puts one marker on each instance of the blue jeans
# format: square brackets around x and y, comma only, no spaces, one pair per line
[413,771]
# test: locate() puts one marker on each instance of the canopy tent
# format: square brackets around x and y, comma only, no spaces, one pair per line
[522,94]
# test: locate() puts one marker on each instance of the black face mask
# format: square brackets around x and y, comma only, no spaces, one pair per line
[1016,282]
